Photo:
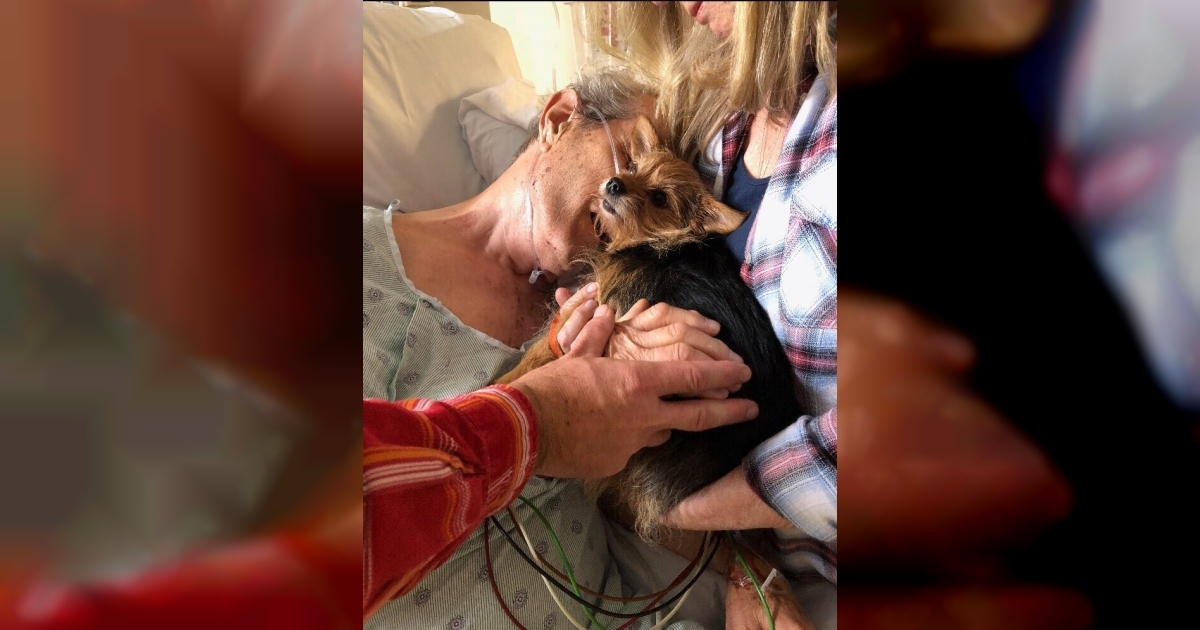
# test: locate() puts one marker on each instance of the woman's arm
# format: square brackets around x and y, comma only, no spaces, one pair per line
[791,479]
[795,472]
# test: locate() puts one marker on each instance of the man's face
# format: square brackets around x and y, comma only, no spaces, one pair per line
[564,187]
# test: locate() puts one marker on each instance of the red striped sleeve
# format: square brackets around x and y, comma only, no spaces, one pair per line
[432,472]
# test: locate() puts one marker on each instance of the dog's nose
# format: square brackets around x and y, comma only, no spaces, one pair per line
[615,186]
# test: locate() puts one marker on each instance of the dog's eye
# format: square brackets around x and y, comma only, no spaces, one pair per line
[658,198]
[631,167]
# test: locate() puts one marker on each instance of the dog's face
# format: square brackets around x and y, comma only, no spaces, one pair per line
[659,199]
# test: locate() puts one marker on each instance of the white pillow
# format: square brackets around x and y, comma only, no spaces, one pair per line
[496,122]
[418,65]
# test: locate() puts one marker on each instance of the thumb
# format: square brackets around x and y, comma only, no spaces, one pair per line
[561,295]
[593,338]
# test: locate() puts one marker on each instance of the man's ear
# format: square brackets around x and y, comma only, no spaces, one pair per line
[555,114]
[644,137]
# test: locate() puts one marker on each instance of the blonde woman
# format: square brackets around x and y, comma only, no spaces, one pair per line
[748,94]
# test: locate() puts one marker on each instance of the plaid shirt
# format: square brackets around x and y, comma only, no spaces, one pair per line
[459,459]
[791,264]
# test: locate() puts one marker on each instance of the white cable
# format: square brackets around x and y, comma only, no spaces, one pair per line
[682,598]
[538,560]
[537,264]
[667,619]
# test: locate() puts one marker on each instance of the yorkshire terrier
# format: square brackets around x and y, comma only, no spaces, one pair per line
[662,241]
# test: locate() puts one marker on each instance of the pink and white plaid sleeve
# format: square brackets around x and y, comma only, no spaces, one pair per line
[791,265]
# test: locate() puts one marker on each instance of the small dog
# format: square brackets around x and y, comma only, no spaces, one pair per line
[663,235]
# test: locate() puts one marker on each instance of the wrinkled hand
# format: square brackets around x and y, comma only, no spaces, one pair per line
[933,483]
[665,333]
[594,413]
[727,504]
[644,333]
[647,333]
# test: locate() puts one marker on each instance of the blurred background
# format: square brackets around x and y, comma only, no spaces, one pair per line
[1025,172]
[180,429]
[179,421]
[179,415]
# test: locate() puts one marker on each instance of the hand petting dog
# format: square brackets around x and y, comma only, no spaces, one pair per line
[579,436]
[647,333]
[727,504]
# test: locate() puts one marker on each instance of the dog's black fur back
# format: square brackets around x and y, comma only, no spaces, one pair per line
[702,276]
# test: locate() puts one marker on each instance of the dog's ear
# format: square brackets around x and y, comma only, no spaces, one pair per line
[644,137]
[720,218]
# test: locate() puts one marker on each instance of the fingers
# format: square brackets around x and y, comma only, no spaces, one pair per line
[690,378]
[593,338]
[561,295]
[577,309]
[662,314]
[681,341]
[701,415]
[638,308]
[569,329]
[572,301]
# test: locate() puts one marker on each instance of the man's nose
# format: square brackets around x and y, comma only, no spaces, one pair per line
[615,186]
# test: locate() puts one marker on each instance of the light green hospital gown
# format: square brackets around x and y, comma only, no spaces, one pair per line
[414,347]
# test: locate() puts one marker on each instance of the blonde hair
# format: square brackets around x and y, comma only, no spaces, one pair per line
[773,49]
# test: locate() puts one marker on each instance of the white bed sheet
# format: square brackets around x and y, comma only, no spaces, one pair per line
[418,65]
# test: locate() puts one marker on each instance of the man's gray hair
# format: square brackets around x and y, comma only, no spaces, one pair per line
[613,91]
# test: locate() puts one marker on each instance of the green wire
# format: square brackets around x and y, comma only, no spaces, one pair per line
[762,598]
[567,565]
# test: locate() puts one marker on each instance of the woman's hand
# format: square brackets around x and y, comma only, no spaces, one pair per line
[727,504]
